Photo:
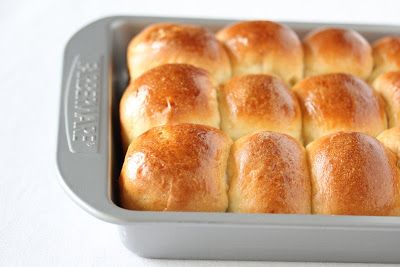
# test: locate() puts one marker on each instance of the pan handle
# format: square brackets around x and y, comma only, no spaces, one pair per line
[83,147]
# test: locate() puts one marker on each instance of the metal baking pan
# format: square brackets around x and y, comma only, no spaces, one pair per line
[89,161]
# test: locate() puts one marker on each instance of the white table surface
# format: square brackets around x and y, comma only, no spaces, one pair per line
[39,224]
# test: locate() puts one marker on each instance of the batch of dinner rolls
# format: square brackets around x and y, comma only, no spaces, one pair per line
[253,119]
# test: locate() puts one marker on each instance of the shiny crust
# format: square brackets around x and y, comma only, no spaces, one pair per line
[391,139]
[333,102]
[328,50]
[168,94]
[264,47]
[255,102]
[386,53]
[178,43]
[388,85]
[353,174]
[268,174]
[176,168]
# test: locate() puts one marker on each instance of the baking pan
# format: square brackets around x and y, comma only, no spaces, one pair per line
[89,159]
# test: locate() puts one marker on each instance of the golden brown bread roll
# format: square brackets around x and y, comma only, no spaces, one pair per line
[176,168]
[386,53]
[391,139]
[255,102]
[168,94]
[178,43]
[334,102]
[353,174]
[268,173]
[264,47]
[328,50]
[388,85]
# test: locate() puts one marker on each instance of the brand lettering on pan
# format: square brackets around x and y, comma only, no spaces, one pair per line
[84,99]
[86,103]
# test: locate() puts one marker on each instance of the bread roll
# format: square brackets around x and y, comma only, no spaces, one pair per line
[353,174]
[388,85]
[176,168]
[386,53]
[391,139]
[264,47]
[334,102]
[268,173]
[168,94]
[178,43]
[255,102]
[328,50]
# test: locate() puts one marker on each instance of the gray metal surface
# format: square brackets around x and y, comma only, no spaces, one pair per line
[89,160]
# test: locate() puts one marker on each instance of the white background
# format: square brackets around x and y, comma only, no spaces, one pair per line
[39,224]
